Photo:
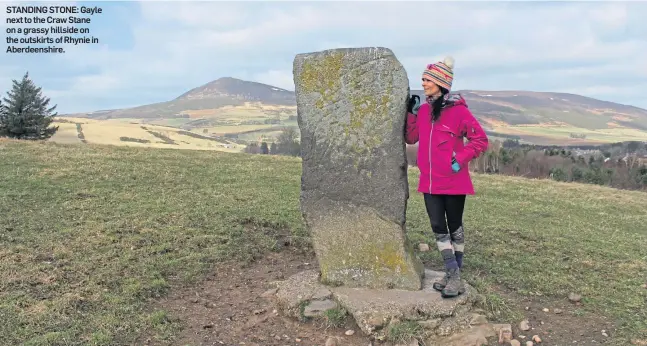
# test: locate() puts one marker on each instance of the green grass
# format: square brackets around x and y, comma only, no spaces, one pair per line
[404,332]
[90,234]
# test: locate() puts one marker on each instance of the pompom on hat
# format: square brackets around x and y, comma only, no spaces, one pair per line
[441,73]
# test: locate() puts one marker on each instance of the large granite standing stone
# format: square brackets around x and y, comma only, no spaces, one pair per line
[351,106]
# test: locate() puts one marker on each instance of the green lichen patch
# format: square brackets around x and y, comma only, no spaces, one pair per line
[370,118]
[322,76]
[365,250]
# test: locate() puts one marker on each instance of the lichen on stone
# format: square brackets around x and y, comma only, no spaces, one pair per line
[371,253]
[370,118]
[323,77]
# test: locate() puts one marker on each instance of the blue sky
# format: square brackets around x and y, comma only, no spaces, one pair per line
[154,51]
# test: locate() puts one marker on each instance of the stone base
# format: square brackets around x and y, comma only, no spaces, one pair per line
[303,296]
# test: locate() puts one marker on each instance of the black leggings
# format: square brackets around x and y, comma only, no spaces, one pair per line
[445,211]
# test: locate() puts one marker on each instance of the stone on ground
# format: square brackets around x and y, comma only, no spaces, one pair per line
[373,309]
[445,321]
[351,110]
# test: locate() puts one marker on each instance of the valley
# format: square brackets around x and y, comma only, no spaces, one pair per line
[228,114]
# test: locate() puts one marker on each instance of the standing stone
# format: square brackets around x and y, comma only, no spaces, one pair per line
[351,107]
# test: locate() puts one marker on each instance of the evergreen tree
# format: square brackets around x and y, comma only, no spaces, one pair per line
[24,113]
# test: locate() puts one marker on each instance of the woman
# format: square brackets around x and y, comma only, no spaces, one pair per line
[439,126]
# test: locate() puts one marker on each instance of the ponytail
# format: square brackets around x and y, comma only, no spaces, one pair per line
[437,105]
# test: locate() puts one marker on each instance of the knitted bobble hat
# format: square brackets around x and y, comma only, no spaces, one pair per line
[441,73]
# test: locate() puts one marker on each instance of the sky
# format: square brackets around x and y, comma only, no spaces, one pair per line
[153,51]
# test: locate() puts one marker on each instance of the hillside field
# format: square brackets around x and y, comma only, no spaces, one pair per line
[95,237]
[129,132]
[552,134]
[241,123]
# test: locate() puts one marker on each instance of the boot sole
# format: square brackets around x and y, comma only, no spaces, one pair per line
[438,287]
[445,295]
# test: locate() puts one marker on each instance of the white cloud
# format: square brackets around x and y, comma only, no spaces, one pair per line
[278,78]
[519,45]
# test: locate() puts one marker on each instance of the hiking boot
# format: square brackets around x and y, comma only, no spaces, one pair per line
[454,286]
[440,284]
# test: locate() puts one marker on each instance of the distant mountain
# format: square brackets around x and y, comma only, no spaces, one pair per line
[494,108]
[535,108]
[220,93]
[232,88]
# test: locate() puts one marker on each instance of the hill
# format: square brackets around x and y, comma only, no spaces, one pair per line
[249,109]
[225,101]
[109,245]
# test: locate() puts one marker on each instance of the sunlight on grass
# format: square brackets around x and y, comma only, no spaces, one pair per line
[91,233]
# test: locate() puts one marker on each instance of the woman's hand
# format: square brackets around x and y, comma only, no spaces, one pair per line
[414,104]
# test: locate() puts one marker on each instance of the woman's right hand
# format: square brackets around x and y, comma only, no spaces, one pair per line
[413,104]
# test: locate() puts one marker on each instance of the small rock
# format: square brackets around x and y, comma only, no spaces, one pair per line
[557,311]
[529,343]
[644,286]
[527,308]
[209,305]
[297,340]
[536,338]
[524,325]
[331,341]
[515,343]
[604,333]
[269,293]
[423,247]
[546,310]
[478,319]
[413,342]
[349,332]
[505,334]
[430,324]
[276,337]
[318,307]
[259,311]
[194,300]
[574,297]
[521,336]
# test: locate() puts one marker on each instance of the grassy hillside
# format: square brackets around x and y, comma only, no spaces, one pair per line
[125,132]
[547,118]
[91,234]
[532,117]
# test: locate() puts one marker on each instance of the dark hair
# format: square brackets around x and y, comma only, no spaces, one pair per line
[437,105]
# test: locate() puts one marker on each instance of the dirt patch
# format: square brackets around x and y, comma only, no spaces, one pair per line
[565,322]
[228,308]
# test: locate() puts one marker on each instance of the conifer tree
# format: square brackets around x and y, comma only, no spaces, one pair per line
[24,113]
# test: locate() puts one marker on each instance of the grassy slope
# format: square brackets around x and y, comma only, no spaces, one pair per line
[110,132]
[89,233]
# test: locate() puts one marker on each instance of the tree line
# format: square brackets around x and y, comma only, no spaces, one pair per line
[286,143]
